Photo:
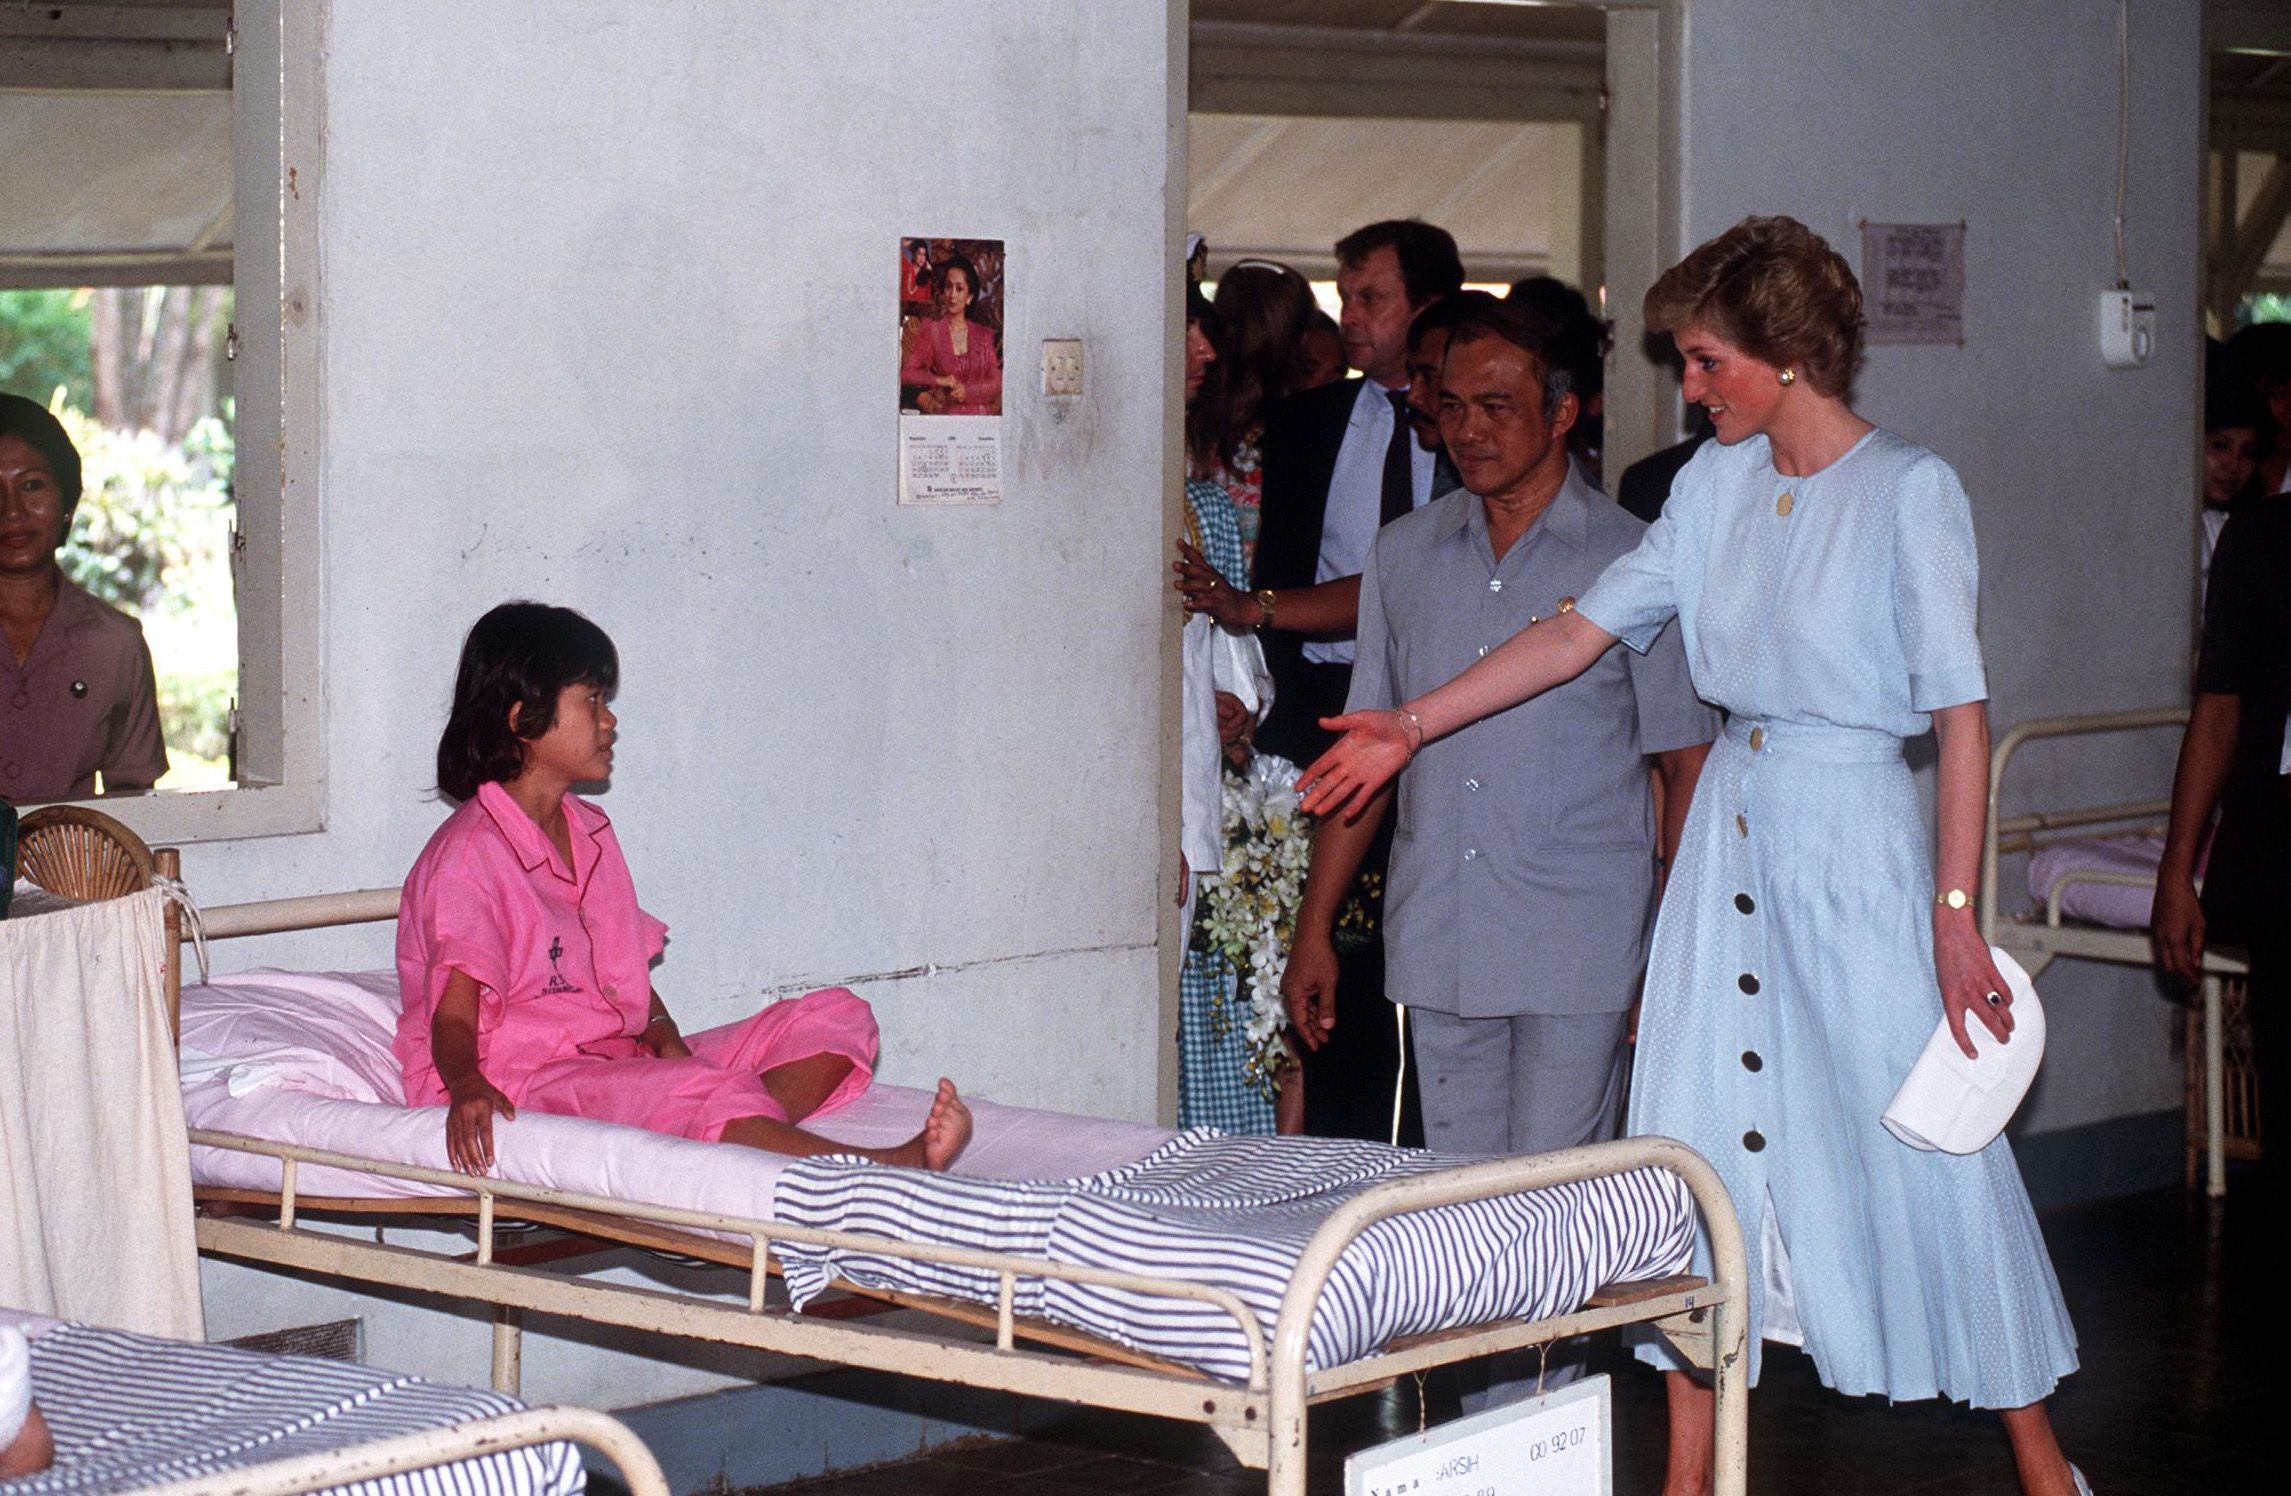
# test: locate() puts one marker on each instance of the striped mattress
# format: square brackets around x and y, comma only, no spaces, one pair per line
[129,1411]
[1236,1213]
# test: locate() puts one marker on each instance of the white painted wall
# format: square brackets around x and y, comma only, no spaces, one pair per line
[2082,477]
[608,320]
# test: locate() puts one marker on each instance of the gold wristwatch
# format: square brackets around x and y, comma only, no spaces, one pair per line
[1953,898]
[1264,597]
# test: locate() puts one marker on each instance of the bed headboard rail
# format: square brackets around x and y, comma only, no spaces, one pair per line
[314,912]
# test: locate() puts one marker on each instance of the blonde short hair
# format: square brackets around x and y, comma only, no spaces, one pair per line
[1775,289]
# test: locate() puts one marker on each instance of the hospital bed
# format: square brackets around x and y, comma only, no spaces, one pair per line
[2099,861]
[138,1413]
[1259,1408]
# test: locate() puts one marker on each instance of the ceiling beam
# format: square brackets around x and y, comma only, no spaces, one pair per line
[64,64]
[31,272]
[2262,26]
[2235,264]
[1306,70]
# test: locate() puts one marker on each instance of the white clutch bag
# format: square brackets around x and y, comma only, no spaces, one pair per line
[1952,1104]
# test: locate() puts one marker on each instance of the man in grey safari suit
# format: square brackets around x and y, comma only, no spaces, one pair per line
[1525,855]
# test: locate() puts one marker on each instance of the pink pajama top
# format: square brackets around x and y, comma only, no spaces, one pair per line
[562,959]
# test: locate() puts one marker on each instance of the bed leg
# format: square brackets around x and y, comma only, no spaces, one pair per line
[2214,1085]
[508,1349]
[1730,1468]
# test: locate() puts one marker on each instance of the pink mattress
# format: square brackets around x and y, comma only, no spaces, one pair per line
[304,1057]
[2112,904]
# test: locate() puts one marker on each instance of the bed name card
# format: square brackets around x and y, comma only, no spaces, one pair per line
[1554,1445]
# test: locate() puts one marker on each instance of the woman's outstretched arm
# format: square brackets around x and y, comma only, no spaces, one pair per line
[1376,745]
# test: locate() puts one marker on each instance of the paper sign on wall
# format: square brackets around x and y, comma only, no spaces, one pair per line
[950,371]
[1913,282]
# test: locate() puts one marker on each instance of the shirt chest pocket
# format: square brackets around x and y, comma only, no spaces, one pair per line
[1579,762]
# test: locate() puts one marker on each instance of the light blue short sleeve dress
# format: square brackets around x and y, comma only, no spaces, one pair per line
[1790,986]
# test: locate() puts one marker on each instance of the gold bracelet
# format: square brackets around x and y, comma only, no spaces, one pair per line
[1264,607]
[1411,727]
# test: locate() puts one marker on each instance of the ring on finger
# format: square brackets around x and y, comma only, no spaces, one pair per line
[1996,999]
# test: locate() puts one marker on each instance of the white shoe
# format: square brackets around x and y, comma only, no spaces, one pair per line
[2083,1486]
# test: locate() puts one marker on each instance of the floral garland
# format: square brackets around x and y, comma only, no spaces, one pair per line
[1249,911]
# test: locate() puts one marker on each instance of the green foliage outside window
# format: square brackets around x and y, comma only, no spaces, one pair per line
[44,345]
[152,538]
[152,534]
[2265,306]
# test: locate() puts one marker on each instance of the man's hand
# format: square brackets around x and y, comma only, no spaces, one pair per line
[1308,987]
[1206,591]
[2177,926]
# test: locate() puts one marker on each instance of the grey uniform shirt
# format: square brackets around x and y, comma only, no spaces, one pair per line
[1522,872]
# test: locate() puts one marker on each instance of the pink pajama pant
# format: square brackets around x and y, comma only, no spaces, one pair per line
[698,1097]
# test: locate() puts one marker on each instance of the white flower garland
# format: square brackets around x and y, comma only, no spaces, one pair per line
[1249,911]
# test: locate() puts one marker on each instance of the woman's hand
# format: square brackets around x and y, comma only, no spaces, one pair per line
[2177,925]
[1375,747]
[1969,980]
[668,1044]
[1207,592]
[471,1105]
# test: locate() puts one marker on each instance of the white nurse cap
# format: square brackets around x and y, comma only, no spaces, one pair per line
[1955,1105]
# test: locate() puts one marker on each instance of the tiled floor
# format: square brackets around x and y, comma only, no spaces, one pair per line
[2184,1390]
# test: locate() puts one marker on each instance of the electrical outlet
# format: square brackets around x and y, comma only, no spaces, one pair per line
[1062,367]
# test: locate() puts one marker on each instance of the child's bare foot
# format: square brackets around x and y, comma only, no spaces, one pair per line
[946,1131]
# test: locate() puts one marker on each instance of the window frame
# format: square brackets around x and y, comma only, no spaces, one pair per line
[277,137]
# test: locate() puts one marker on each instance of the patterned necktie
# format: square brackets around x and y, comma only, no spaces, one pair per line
[1399,471]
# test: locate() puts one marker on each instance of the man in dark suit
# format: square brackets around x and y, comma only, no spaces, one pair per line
[1339,461]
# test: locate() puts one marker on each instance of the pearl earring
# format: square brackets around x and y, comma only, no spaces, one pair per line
[1787,376]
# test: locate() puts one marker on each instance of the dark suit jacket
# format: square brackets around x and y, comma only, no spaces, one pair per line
[1646,484]
[1303,434]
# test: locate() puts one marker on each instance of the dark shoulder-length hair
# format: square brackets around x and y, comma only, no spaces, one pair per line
[519,655]
[1775,289]
[31,423]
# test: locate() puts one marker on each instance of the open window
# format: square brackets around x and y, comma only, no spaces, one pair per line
[156,289]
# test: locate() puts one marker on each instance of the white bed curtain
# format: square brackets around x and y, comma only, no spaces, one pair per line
[95,1171]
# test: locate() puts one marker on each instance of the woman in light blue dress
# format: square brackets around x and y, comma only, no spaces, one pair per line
[1823,576]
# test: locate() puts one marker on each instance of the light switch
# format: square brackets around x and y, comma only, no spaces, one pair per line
[1062,367]
[2127,328]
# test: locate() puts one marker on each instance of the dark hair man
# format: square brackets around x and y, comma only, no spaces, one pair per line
[1515,949]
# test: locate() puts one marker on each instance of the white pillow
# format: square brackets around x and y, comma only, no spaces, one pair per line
[324,1032]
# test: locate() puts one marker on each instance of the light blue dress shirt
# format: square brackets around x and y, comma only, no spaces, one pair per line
[1356,500]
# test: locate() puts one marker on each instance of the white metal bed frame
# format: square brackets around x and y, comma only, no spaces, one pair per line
[1262,1421]
[472,1439]
[2037,941]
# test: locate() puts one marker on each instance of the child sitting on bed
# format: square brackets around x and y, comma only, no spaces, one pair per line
[523,959]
